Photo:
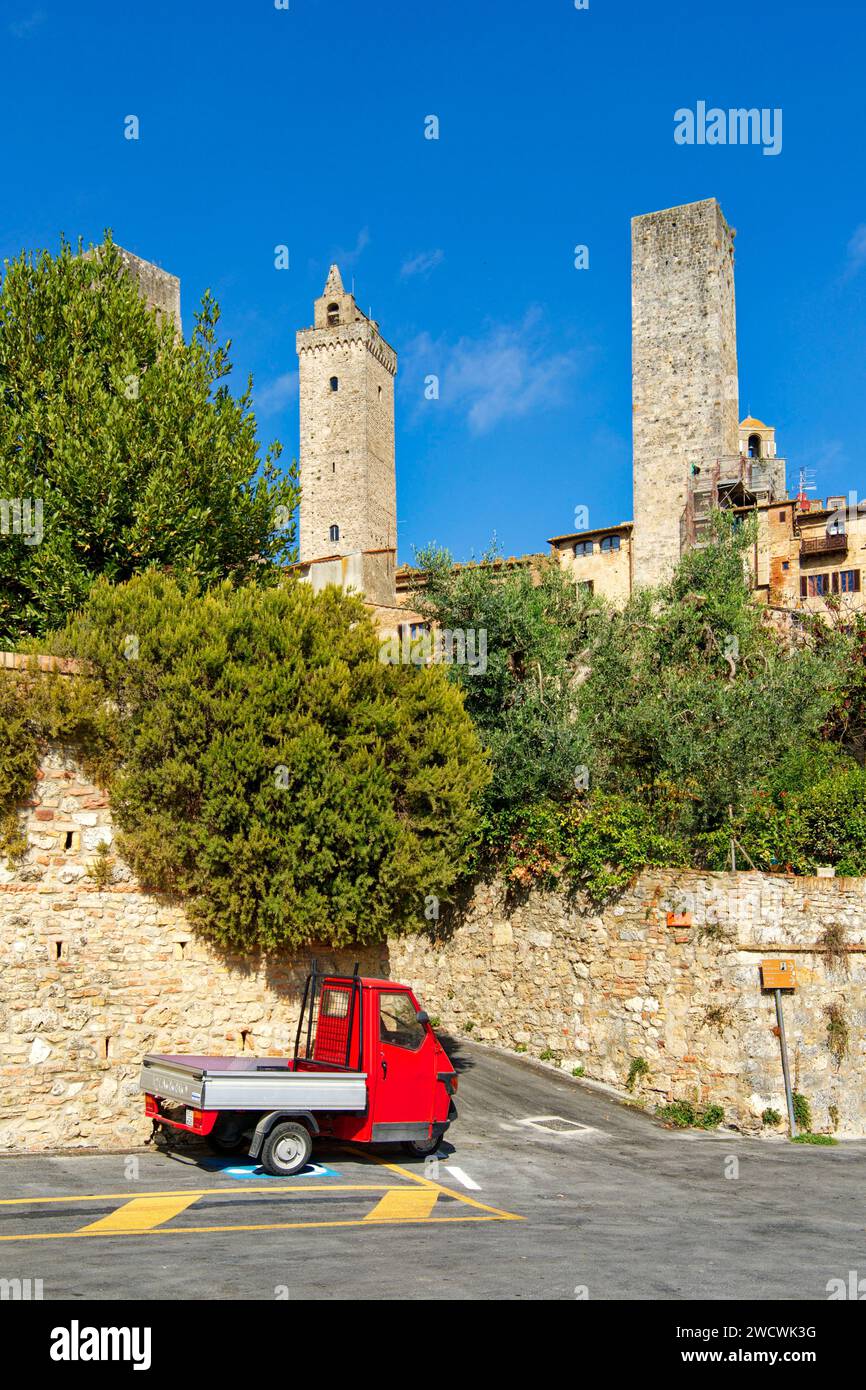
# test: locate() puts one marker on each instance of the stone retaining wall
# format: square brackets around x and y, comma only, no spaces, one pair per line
[92,978]
[599,989]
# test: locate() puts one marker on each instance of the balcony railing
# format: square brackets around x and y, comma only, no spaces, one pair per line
[819,545]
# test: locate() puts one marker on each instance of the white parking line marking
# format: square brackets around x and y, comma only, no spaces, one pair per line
[557,1124]
[459,1174]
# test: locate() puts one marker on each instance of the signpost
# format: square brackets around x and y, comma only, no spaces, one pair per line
[778,975]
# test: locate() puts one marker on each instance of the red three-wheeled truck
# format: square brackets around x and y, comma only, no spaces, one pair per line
[367,1067]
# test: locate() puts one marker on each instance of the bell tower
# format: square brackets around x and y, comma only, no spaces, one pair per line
[346,388]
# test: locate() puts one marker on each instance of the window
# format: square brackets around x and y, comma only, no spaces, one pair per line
[335,1003]
[334,533]
[398,1022]
[781,516]
[335,383]
[333,314]
[610,543]
[583,547]
[754,446]
[586,584]
[814,585]
[849,581]
[786,564]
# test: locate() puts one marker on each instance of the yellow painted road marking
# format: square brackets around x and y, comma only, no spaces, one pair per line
[440,1187]
[404,1204]
[202,1192]
[141,1214]
[88,1233]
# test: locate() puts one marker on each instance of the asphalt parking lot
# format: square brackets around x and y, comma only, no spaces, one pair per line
[546,1189]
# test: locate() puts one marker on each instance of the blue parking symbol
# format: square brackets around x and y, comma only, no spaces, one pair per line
[241,1171]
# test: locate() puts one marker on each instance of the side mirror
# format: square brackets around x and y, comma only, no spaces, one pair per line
[422,1017]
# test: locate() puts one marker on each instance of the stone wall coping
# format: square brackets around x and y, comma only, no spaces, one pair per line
[26,661]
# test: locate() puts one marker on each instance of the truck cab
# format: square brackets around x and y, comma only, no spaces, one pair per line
[386,1034]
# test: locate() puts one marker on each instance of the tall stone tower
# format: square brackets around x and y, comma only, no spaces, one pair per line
[348,487]
[160,290]
[684,370]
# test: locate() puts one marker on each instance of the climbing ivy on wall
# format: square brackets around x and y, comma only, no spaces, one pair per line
[38,709]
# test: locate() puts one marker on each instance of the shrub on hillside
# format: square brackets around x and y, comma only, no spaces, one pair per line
[597,843]
[270,767]
[824,823]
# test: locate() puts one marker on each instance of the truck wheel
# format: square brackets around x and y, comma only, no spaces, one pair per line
[287,1149]
[422,1148]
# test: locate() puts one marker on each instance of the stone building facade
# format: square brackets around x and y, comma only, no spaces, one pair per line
[95,974]
[599,561]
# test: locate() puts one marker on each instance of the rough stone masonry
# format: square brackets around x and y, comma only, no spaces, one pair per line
[93,977]
[684,369]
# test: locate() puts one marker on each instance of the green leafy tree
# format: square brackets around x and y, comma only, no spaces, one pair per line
[270,767]
[121,446]
[692,718]
[536,626]
[821,822]
[843,640]
[693,698]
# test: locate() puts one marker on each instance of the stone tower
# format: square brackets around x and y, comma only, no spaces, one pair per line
[684,370]
[160,290]
[348,487]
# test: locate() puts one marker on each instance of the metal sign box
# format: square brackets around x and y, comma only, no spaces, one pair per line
[778,974]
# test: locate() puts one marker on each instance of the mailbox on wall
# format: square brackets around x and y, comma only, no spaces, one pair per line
[778,974]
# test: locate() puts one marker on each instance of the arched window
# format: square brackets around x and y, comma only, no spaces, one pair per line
[335,383]
[754,446]
[333,314]
[334,533]
[610,543]
[583,547]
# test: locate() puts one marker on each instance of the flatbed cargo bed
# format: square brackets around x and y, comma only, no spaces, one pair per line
[250,1083]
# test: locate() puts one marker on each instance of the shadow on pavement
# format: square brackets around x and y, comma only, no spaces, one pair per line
[454,1049]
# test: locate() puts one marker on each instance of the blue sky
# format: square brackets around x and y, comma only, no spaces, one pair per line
[261,126]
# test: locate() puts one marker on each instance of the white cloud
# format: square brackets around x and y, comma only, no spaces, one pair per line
[502,375]
[275,395]
[422,264]
[21,28]
[857,251]
[344,257]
